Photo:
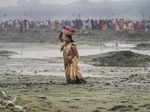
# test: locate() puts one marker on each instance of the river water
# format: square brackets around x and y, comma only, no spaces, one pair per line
[47,51]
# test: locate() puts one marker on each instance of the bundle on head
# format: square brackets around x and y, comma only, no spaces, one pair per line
[68,31]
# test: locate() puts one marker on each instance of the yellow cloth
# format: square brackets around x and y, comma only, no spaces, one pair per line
[67,32]
[72,70]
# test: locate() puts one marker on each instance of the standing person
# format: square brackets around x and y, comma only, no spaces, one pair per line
[71,56]
[25,25]
[21,24]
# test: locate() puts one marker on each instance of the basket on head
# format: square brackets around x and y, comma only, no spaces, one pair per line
[68,31]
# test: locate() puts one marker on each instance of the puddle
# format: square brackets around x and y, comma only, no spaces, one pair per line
[45,50]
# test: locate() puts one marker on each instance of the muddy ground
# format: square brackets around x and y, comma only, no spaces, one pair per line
[31,69]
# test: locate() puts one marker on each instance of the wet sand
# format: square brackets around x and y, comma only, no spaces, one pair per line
[35,75]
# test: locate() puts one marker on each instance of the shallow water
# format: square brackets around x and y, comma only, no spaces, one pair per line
[46,50]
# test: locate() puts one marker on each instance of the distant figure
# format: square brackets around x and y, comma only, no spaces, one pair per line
[21,26]
[71,56]
[116,44]
[26,25]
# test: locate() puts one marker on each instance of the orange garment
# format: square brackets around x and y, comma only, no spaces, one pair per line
[72,70]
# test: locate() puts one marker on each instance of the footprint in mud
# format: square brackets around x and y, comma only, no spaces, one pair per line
[147,106]
[77,99]
[42,97]
[100,108]
[60,111]
[124,101]
[74,107]
[122,108]
[96,111]
[65,101]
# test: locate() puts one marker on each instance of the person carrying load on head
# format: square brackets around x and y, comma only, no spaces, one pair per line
[71,56]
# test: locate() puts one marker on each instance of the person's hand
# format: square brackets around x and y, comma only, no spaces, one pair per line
[60,36]
[70,57]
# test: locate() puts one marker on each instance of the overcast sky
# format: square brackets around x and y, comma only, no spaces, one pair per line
[86,8]
[6,3]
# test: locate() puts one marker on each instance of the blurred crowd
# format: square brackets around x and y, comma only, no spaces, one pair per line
[89,24]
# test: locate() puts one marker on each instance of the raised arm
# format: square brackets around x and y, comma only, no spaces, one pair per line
[60,37]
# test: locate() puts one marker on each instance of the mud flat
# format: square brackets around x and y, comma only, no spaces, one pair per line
[38,85]
[121,59]
[52,94]
[143,46]
[108,89]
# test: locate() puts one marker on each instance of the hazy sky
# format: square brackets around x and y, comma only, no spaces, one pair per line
[5,3]
[34,9]
[68,1]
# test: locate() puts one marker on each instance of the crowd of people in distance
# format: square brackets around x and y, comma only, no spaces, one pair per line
[118,24]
